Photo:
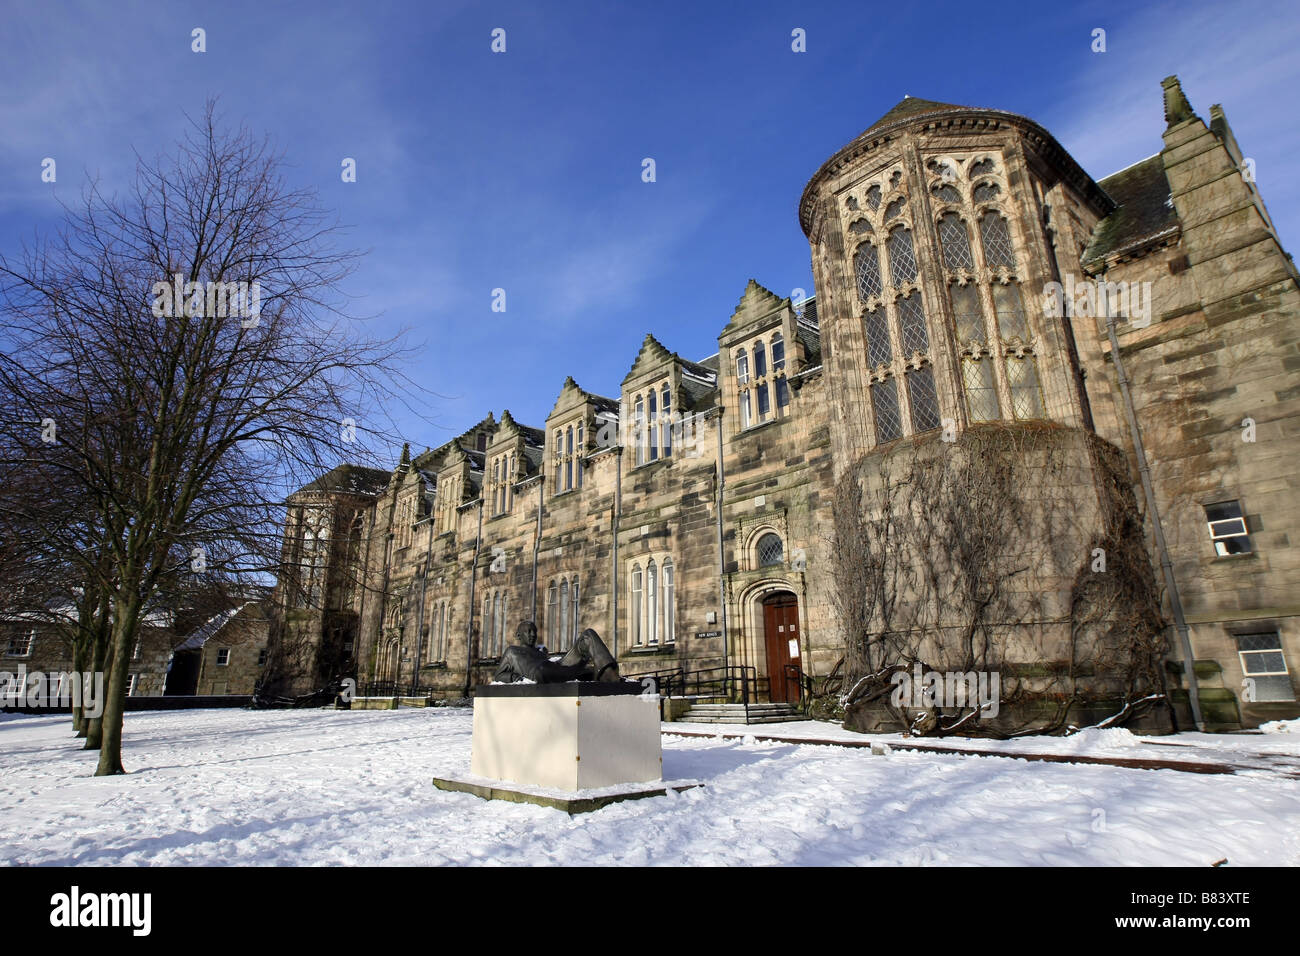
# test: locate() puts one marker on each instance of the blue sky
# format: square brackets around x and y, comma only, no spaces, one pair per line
[522,170]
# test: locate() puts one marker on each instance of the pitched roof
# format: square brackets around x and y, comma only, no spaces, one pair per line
[352,479]
[1145,209]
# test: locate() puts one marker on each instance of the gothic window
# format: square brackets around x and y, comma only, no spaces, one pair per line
[878,348]
[764,402]
[982,167]
[553,614]
[1026,396]
[562,638]
[922,397]
[573,627]
[746,415]
[956,243]
[771,553]
[884,404]
[970,317]
[670,608]
[911,322]
[866,267]
[895,178]
[1012,322]
[760,359]
[997,241]
[894,208]
[637,636]
[873,197]
[947,193]
[652,603]
[742,367]
[985,192]
[851,204]
[902,263]
[860,227]
[977,382]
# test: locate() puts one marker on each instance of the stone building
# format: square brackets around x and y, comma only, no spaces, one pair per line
[687,516]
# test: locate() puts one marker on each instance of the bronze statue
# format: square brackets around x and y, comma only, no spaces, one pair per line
[588,659]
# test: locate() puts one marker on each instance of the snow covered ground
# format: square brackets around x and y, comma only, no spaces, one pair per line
[333,787]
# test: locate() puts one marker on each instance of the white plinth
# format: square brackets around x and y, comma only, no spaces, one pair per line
[557,736]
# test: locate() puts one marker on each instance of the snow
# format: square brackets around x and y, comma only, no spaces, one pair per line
[325,787]
[1281,727]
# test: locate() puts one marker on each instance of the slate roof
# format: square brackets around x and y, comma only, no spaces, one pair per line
[210,629]
[353,479]
[1145,209]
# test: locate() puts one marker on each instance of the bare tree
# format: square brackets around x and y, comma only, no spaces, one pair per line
[188,344]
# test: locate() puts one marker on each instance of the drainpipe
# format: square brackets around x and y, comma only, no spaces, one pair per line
[419,626]
[722,567]
[618,522]
[469,618]
[537,545]
[1166,566]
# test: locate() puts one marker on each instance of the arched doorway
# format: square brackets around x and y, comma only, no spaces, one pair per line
[781,642]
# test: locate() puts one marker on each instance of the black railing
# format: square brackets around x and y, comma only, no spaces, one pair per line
[389,688]
[735,684]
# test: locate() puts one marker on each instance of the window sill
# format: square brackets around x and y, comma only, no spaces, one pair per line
[650,650]
[760,425]
[435,666]
[667,460]
[1229,558]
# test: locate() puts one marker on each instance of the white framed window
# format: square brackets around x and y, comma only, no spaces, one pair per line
[652,612]
[1263,662]
[130,685]
[20,644]
[553,614]
[1227,526]
[573,630]
[563,641]
[223,657]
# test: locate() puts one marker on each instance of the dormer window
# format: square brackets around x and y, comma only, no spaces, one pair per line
[568,456]
[766,385]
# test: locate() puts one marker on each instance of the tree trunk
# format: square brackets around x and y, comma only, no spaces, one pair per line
[126,614]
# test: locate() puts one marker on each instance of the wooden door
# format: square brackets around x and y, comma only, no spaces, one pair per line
[781,635]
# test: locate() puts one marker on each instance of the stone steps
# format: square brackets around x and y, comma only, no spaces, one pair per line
[736,714]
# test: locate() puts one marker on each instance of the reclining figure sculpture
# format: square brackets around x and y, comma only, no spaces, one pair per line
[588,659]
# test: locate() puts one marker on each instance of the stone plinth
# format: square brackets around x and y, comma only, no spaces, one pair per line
[575,736]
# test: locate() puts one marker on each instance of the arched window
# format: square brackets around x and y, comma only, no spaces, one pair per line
[552,615]
[873,197]
[894,209]
[652,603]
[744,410]
[771,552]
[981,167]
[574,626]
[996,240]
[956,242]
[866,269]
[636,605]
[563,641]
[764,403]
[742,367]
[985,192]
[510,477]
[902,261]
[947,193]
[670,609]
[496,624]
[760,359]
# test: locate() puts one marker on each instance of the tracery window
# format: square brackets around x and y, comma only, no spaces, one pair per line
[771,552]
[884,406]
[902,260]
[758,390]
[996,239]
[955,241]
[652,621]
[866,267]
